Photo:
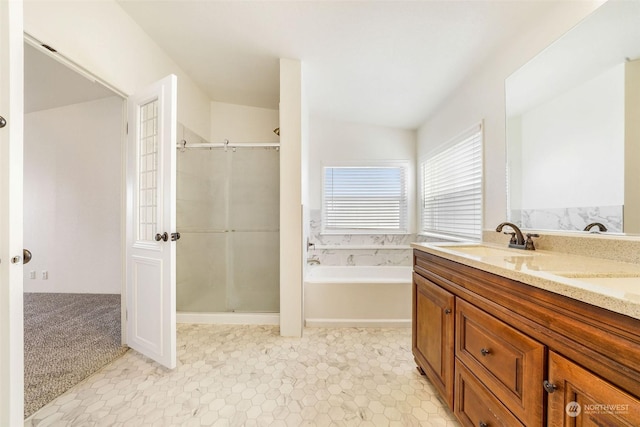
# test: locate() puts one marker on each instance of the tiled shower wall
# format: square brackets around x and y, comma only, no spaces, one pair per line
[359,249]
[228,218]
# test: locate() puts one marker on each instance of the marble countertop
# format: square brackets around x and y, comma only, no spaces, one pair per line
[604,283]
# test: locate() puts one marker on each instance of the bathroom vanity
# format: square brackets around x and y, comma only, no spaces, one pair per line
[514,338]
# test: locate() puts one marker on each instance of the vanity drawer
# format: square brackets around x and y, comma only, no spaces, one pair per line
[508,362]
[476,406]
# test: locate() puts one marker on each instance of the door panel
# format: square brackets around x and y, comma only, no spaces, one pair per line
[151,218]
[581,398]
[11,249]
[147,274]
[433,328]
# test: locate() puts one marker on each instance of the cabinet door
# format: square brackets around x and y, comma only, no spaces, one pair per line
[583,399]
[433,323]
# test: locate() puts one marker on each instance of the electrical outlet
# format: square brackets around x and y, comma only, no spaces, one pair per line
[32,274]
[45,275]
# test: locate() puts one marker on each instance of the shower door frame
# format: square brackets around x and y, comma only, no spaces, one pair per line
[229,292]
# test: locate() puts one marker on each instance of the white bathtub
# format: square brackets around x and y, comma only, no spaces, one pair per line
[359,296]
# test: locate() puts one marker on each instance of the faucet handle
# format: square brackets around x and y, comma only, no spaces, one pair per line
[513,237]
[528,245]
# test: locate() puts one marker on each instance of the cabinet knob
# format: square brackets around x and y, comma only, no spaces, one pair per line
[447,311]
[549,387]
[485,351]
[483,424]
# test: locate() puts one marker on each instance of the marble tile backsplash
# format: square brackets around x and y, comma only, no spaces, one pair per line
[569,219]
[560,230]
[359,249]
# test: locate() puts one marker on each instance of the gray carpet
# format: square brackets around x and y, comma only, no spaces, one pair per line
[67,337]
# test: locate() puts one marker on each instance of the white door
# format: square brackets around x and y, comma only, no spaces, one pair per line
[151,222]
[11,110]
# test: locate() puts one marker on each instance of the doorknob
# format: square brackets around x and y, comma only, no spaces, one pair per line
[3,122]
[164,237]
[175,236]
[26,256]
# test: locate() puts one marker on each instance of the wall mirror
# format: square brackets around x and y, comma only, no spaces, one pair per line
[573,127]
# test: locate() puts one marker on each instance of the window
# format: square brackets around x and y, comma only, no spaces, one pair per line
[452,187]
[365,199]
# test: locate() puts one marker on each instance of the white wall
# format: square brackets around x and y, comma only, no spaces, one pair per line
[562,146]
[332,141]
[481,97]
[72,187]
[241,123]
[102,38]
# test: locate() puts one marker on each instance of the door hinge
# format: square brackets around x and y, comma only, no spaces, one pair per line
[126,315]
[127,128]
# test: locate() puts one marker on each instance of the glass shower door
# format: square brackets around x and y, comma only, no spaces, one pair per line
[228,216]
[254,221]
[202,221]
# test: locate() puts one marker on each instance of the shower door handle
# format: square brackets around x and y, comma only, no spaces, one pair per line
[175,236]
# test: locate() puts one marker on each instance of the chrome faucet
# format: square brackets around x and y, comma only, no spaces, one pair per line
[517,238]
[600,226]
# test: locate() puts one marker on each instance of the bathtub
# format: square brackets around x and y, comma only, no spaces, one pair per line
[358,296]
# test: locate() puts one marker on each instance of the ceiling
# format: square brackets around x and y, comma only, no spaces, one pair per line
[389,63]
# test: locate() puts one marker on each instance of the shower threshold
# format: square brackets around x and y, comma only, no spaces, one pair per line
[230,318]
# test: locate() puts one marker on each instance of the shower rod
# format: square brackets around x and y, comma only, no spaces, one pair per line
[183,144]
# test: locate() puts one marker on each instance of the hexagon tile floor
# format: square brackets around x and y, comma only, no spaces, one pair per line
[250,376]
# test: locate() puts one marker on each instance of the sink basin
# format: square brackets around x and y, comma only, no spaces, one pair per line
[488,251]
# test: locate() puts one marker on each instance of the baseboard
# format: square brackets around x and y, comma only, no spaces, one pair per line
[357,323]
[229,318]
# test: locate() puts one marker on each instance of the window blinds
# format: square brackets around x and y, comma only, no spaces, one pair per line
[452,188]
[365,199]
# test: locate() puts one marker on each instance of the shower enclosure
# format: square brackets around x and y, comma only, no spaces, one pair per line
[228,217]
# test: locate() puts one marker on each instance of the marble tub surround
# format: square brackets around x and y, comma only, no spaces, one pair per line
[613,285]
[353,257]
[348,253]
[361,248]
[357,249]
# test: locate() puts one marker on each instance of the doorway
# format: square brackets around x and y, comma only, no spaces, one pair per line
[73,226]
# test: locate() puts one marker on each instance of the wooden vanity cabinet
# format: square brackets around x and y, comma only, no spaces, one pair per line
[432,342]
[506,339]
